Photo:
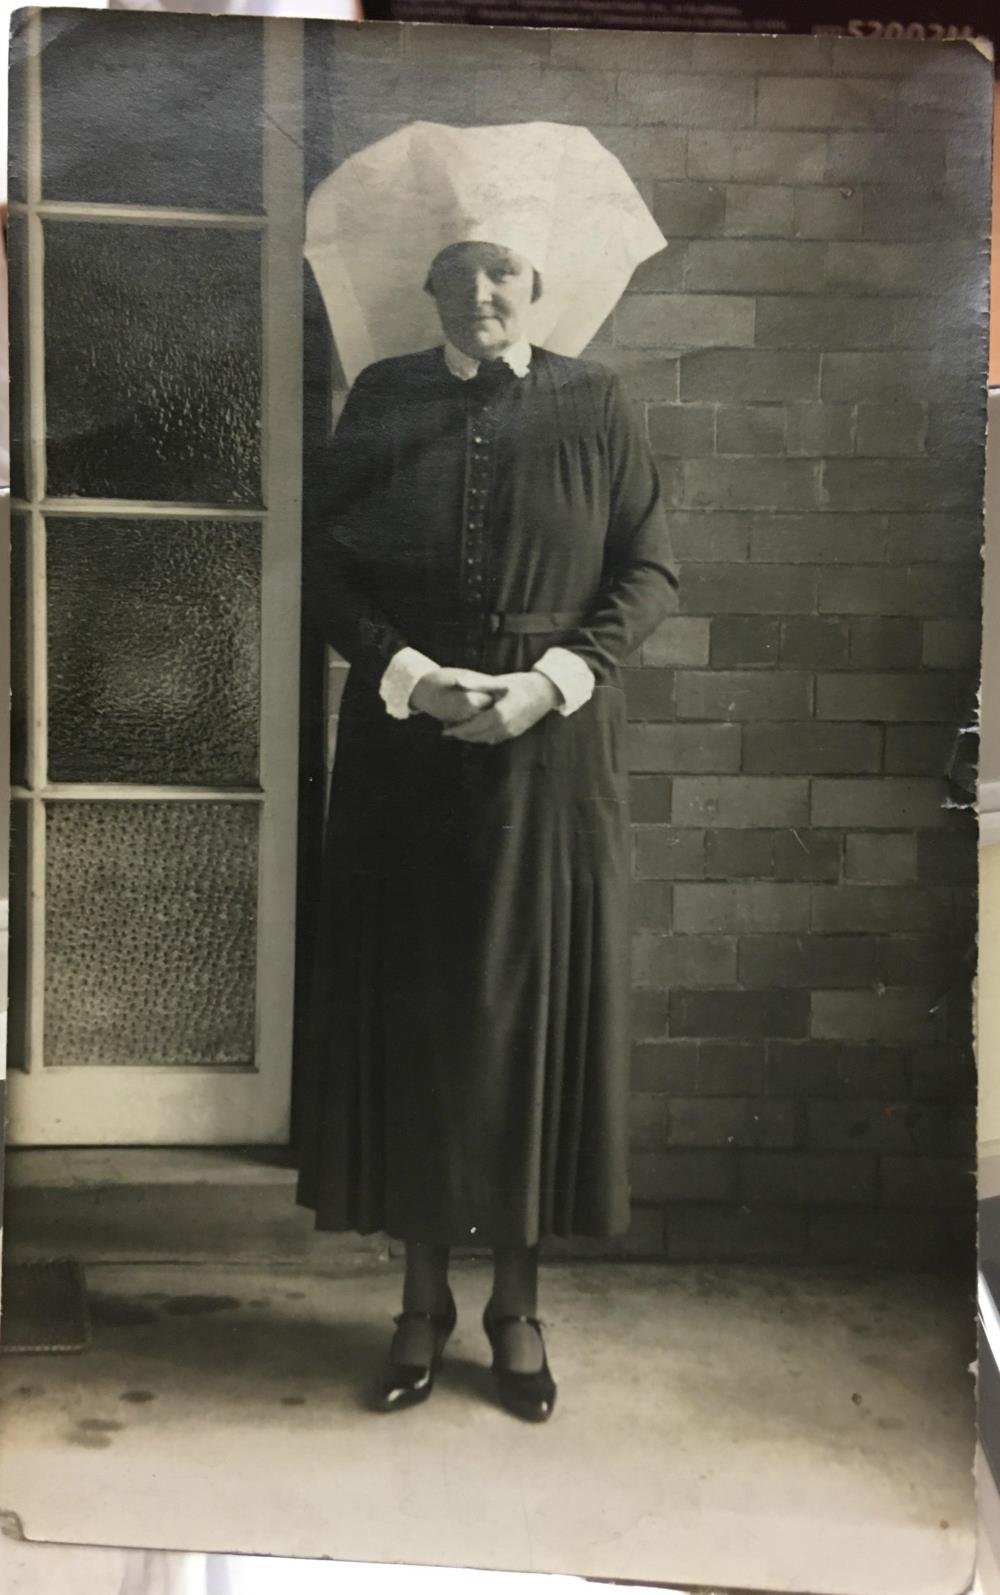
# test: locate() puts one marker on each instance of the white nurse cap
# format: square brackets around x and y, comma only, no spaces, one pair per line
[551,193]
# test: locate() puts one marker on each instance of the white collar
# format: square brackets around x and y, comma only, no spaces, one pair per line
[462,366]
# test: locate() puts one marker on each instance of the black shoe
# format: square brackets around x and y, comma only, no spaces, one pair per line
[531,1396]
[404,1384]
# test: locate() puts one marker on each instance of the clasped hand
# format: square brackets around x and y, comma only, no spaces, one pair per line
[484,709]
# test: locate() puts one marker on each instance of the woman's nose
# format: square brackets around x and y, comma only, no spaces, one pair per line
[483,288]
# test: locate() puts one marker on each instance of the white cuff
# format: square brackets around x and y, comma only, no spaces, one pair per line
[570,675]
[399,678]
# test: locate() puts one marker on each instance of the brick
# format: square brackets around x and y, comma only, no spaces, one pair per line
[537,92]
[876,376]
[688,209]
[911,590]
[885,430]
[757,156]
[871,908]
[739,1013]
[755,210]
[665,1066]
[831,1069]
[843,1178]
[681,429]
[806,856]
[650,904]
[875,485]
[950,644]
[642,52]
[823,324]
[806,961]
[743,802]
[879,57]
[881,1239]
[955,428]
[748,266]
[649,799]
[943,1074]
[506,47]
[730,1068]
[684,321]
[648,1118]
[877,803]
[811,749]
[743,695]
[732,376]
[743,906]
[920,750]
[738,853]
[750,429]
[647,153]
[730,589]
[826,539]
[663,273]
[828,213]
[680,640]
[698,535]
[680,1175]
[674,100]
[691,748]
[744,640]
[796,54]
[748,483]
[913,159]
[886,644]
[664,853]
[948,857]
[930,960]
[892,213]
[739,1234]
[650,1010]
[885,858]
[834,103]
[378,85]
[882,1126]
[949,539]
[820,430]
[731,1121]
[901,268]
[893,1016]
[649,694]
[679,960]
[653,377]
[940,695]
[819,644]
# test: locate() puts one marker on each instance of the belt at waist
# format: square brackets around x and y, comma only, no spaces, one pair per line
[505,622]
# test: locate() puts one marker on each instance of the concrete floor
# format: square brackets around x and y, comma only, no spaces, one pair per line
[731,1426]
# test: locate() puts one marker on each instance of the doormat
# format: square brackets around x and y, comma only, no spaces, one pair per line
[44,1307]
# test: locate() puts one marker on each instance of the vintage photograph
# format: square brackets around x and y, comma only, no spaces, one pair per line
[496,563]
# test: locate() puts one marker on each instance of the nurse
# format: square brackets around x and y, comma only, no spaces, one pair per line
[487,546]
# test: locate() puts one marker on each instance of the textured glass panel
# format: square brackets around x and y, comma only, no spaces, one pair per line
[147,110]
[17,83]
[153,362]
[150,933]
[18,345]
[17,1018]
[153,651]
[19,600]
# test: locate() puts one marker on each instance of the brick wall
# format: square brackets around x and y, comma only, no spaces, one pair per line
[808,355]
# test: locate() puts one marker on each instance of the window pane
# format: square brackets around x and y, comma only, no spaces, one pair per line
[19,662]
[18,354]
[153,362]
[151,913]
[154,651]
[17,1018]
[146,110]
[17,83]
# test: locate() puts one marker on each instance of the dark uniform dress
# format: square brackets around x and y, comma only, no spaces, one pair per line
[468,1061]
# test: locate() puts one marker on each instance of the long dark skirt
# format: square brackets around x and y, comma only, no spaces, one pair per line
[469,1037]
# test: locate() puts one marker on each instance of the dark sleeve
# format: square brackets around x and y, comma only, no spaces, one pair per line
[342,486]
[639,581]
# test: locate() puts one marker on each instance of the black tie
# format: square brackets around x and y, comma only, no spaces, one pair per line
[492,377]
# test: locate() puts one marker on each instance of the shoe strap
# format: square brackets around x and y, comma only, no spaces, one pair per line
[516,1318]
[410,1314]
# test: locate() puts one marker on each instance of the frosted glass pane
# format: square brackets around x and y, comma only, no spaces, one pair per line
[18,354]
[19,663]
[153,362]
[154,651]
[151,912]
[17,1018]
[141,109]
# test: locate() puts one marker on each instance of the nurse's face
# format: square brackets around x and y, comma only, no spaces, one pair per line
[483,293]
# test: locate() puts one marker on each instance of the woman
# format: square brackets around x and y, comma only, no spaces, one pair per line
[488,545]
